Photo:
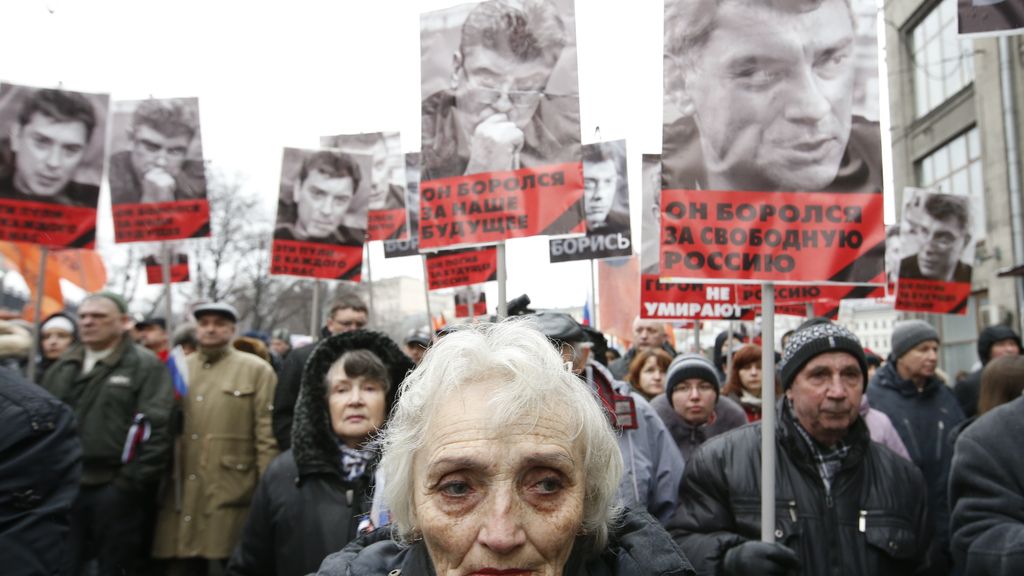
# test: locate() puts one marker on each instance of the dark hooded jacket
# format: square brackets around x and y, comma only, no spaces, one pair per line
[303,509]
[925,420]
[968,391]
[287,392]
[728,415]
[984,488]
[872,522]
[638,546]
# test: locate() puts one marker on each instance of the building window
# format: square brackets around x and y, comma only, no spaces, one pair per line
[943,63]
[955,168]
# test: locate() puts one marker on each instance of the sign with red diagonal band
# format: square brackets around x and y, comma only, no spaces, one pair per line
[462,267]
[51,225]
[470,301]
[155,271]
[809,237]
[387,224]
[161,221]
[386,201]
[317,260]
[496,206]
[670,301]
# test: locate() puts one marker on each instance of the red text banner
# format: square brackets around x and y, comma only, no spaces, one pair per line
[771,236]
[663,301]
[314,260]
[750,294]
[161,221]
[50,225]
[935,296]
[462,267]
[387,224]
[494,206]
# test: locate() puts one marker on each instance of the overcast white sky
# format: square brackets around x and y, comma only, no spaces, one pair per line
[276,74]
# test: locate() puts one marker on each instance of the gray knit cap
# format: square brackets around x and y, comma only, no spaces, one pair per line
[908,334]
[690,366]
[816,339]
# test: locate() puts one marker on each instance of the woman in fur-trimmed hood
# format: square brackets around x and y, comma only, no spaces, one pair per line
[313,497]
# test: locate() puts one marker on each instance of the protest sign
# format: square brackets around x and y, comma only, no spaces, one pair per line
[387,217]
[156,172]
[155,270]
[411,245]
[937,242]
[500,123]
[320,225]
[606,200]
[51,162]
[771,157]
[461,267]
[470,301]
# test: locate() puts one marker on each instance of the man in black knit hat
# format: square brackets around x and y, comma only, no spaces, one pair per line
[993,342]
[845,505]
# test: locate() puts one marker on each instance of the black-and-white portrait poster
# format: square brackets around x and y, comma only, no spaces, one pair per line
[157,159]
[936,248]
[499,87]
[52,144]
[606,202]
[411,245]
[321,214]
[387,219]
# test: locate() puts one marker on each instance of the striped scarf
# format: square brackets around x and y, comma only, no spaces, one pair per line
[354,462]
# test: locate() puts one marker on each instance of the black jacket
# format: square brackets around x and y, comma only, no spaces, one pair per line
[925,420]
[303,509]
[874,489]
[130,383]
[987,522]
[638,546]
[40,465]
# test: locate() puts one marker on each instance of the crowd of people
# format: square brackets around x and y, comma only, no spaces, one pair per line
[528,444]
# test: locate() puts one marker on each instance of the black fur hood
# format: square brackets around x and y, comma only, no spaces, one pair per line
[314,445]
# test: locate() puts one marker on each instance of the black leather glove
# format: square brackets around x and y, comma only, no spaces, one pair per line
[761,558]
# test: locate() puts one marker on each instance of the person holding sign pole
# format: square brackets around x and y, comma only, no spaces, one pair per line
[845,505]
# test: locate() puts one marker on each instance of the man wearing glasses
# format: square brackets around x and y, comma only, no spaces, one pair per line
[942,232]
[156,168]
[490,118]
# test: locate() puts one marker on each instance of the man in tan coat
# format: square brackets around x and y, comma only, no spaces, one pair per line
[225,445]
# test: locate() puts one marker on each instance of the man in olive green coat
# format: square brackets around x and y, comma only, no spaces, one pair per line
[226,444]
[121,395]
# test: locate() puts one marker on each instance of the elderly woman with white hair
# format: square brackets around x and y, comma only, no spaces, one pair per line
[499,460]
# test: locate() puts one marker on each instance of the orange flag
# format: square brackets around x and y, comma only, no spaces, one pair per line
[26,259]
[81,267]
[618,285]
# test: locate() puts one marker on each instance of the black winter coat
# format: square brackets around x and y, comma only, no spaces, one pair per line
[874,522]
[303,509]
[925,420]
[987,522]
[638,546]
[40,468]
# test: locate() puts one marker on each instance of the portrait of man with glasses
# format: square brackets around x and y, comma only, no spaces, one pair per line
[508,95]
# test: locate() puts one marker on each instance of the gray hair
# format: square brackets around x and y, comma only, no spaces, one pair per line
[534,381]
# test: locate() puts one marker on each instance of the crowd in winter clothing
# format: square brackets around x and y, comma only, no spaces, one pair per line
[200,451]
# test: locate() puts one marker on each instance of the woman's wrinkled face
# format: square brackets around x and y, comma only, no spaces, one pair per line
[497,499]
